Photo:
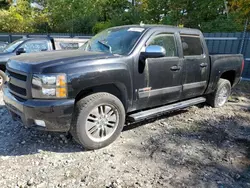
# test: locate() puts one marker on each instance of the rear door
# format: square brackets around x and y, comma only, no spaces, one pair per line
[159,81]
[195,67]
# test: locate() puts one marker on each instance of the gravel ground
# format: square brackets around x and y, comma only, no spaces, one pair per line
[196,147]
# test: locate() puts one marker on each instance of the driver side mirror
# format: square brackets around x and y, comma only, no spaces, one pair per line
[20,51]
[154,51]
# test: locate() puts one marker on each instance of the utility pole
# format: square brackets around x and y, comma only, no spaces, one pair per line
[244,37]
[133,3]
[226,8]
[133,8]
[72,18]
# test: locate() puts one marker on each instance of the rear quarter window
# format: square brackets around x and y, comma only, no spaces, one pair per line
[191,45]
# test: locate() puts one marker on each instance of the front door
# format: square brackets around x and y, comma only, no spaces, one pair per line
[158,80]
[195,68]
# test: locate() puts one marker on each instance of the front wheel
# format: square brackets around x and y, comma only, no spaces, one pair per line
[2,78]
[98,120]
[221,94]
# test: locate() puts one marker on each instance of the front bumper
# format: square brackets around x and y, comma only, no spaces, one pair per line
[56,114]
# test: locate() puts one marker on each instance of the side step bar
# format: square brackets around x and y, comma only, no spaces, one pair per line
[147,114]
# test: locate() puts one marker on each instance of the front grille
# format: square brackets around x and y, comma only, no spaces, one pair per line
[17,89]
[17,76]
[17,83]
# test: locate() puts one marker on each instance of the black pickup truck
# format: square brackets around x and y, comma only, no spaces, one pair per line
[31,45]
[128,73]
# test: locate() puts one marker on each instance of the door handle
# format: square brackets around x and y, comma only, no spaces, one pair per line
[175,68]
[203,65]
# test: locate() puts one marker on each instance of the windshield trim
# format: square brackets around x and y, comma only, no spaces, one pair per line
[138,41]
[88,43]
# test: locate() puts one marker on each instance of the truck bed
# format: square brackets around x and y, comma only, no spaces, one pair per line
[221,63]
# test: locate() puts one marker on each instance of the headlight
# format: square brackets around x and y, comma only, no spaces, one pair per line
[49,86]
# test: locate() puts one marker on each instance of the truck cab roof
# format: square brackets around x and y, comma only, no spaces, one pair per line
[157,27]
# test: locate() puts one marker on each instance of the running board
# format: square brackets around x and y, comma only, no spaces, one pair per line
[147,114]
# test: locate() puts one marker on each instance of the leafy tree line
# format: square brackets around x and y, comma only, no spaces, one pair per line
[91,16]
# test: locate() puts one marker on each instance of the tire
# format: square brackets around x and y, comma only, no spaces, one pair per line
[2,78]
[98,120]
[221,94]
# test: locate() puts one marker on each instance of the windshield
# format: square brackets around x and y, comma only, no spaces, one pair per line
[115,40]
[12,46]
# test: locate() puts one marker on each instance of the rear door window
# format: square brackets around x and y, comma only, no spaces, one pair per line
[191,45]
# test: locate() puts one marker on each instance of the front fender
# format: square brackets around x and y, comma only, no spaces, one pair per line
[96,75]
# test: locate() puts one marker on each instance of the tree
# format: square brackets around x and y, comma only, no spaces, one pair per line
[240,6]
[21,18]
[4,4]
[78,16]
[241,10]
[153,11]
[92,16]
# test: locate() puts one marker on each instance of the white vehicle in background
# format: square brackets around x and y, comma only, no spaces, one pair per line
[3,45]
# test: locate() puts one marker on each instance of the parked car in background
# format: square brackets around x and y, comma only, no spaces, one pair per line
[3,45]
[30,45]
[128,73]
[69,43]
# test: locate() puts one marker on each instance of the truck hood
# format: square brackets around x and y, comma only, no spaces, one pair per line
[35,62]
[52,56]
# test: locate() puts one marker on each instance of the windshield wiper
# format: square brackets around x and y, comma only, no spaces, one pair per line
[105,45]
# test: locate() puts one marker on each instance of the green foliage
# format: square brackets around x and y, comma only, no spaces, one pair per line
[21,18]
[92,16]
[216,25]
[100,26]
[4,4]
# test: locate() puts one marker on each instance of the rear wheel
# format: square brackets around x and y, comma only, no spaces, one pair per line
[221,94]
[2,78]
[99,120]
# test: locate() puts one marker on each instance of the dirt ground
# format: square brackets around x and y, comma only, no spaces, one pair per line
[196,147]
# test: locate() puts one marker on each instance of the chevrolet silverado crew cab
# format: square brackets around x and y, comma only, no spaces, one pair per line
[123,74]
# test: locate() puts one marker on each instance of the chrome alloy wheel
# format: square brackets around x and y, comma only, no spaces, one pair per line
[223,96]
[102,122]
